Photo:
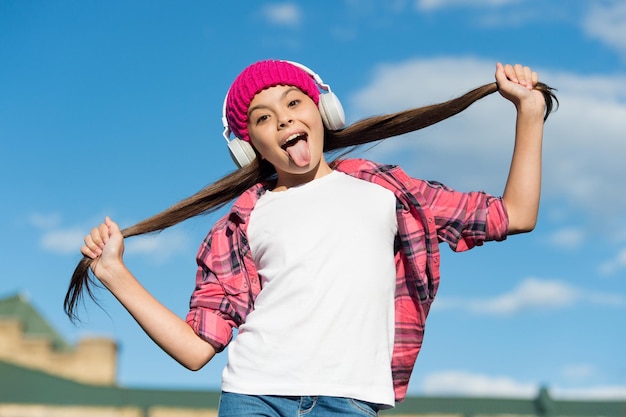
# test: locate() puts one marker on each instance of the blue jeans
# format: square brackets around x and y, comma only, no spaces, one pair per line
[241,405]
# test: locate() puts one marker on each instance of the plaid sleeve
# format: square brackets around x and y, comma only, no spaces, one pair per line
[210,314]
[465,220]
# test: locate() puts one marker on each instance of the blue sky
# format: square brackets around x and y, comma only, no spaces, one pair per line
[114,108]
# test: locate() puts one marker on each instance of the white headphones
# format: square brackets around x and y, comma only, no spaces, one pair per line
[329,106]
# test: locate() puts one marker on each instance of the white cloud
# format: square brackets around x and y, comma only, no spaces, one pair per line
[568,238]
[282,14]
[531,294]
[160,246]
[63,241]
[398,86]
[584,140]
[55,239]
[428,5]
[396,6]
[463,383]
[602,392]
[344,33]
[44,220]
[607,22]
[375,12]
[611,266]
[67,241]
[502,13]
[470,384]
[579,371]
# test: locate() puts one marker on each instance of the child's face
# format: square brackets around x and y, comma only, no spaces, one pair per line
[286,128]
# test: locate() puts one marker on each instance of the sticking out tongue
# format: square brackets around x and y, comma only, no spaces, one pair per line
[299,152]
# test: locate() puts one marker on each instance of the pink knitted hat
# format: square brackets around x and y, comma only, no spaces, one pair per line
[256,78]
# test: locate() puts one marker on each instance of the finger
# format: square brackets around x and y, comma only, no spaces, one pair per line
[500,74]
[534,78]
[113,227]
[510,73]
[96,238]
[104,233]
[528,76]
[89,248]
[92,246]
[531,77]
[520,73]
[88,252]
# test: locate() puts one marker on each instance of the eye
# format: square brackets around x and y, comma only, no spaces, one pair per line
[261,119]
[294,102]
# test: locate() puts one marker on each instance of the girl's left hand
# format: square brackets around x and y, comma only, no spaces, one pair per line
[516,83]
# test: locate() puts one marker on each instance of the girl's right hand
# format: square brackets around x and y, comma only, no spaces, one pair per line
[105,245]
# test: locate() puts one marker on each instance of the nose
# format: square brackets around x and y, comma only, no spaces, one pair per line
[284,120]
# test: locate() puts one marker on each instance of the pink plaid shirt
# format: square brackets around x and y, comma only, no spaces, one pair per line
[227,281]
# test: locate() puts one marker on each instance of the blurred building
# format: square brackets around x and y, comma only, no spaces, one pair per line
[28,340]
[41,375]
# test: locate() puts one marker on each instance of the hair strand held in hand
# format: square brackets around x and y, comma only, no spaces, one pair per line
[231,186]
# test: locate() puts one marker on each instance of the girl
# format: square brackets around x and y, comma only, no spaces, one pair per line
[328,269]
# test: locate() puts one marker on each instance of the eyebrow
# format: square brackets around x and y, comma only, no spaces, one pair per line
[283,95]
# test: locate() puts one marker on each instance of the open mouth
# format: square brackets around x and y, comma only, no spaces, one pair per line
[293,140]
[297,147]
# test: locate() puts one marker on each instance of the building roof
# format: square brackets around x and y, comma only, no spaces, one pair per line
[18,307]
[19,385]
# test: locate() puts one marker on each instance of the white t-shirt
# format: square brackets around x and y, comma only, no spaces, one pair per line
[323,323]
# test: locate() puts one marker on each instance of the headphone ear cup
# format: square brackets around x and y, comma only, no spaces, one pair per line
[241,152]
[332,111]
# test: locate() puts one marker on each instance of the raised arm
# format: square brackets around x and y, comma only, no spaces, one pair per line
[105,244]
[523,186]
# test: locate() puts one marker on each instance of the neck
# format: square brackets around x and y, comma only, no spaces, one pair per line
[287,180]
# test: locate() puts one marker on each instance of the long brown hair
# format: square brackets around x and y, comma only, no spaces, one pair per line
[223,191]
